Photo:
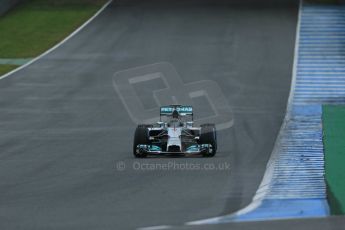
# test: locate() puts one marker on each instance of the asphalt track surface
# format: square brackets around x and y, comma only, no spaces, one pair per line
[330,223]
[64,128]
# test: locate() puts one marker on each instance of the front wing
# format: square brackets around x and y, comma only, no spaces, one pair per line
[192,150]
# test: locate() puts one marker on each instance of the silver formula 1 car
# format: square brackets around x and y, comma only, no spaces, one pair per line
[175,134]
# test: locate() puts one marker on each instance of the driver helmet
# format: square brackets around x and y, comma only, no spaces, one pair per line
[175,114]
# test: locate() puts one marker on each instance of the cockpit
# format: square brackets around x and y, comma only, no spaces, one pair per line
[175,121]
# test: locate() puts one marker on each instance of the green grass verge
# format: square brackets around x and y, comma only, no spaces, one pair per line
[333,119]
[6,68]
[35,26]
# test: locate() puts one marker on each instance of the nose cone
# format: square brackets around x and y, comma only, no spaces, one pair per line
[174,138]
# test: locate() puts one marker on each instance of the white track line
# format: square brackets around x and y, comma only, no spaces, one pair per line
[59,44]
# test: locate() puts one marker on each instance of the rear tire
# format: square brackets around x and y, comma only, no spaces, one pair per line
[208,135]
[141,137]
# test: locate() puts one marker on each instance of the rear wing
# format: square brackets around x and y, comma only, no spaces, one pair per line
[183,110]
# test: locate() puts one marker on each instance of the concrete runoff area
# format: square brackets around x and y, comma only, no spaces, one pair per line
[65,130]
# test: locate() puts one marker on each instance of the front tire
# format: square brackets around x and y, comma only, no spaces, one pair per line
[209,136]
[141,137]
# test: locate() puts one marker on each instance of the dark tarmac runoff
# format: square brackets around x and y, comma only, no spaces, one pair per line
[67,121]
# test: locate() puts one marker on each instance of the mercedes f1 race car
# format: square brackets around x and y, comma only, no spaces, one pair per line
[175,134]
